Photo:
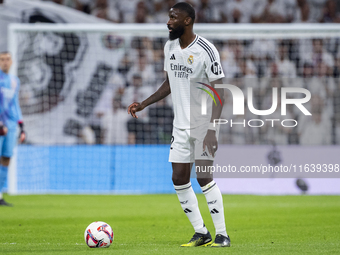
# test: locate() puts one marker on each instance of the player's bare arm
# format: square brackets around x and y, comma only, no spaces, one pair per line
[210,140]
[162,92]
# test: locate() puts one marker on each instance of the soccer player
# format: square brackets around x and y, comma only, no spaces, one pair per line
[188,57]
[10,117]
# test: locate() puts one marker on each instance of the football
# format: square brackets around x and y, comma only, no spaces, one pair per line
[98,235]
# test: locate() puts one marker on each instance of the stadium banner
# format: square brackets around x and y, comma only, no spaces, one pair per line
[27,11]
[109,169]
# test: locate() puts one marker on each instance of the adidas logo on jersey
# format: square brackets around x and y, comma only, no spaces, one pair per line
[204,154]
[172,57]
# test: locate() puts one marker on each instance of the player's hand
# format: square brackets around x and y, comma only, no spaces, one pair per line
[22,136]
[210,142]
[3,130]
[133,108]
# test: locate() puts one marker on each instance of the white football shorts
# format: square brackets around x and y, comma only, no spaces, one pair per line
[187,145]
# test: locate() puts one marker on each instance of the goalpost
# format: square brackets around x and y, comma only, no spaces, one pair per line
[76,80]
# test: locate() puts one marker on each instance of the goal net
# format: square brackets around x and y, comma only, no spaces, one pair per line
[77,81]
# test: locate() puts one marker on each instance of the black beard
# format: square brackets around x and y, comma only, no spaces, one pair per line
[176,33]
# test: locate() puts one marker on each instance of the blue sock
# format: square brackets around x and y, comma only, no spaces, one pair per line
[3,176]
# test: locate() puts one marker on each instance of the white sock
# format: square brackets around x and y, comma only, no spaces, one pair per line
[1,195]
[188,200]
[215,203]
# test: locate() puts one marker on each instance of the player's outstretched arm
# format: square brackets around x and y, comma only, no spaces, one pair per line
[162,92]
[210,140]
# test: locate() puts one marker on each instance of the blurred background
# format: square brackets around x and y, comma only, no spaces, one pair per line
[78,79]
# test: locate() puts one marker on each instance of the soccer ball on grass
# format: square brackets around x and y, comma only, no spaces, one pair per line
[98,235]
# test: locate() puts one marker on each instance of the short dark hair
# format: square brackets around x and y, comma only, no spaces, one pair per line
[183,6]
[5,52]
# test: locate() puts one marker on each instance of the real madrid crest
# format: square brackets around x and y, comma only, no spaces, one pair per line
[190,59]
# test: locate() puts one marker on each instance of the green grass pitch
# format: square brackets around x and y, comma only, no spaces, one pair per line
[156,224]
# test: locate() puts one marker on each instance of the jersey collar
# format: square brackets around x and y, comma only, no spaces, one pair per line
[193,42]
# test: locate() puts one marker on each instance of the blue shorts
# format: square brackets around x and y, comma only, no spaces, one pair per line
[8,142]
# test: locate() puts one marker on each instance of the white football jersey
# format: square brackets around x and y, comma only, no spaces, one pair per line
[199,62]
